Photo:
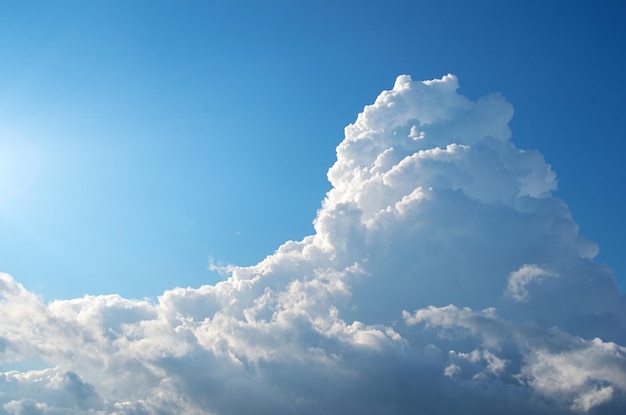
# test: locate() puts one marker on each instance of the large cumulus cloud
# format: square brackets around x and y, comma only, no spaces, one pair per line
[443,277]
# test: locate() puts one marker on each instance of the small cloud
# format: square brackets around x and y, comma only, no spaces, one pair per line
[592,398]
[520,279]
[415,134]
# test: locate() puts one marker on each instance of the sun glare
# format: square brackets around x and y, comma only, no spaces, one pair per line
[19,166]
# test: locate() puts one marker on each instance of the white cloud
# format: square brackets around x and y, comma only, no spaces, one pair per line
[593,398]
[434,211]
[581,373]
[519,279]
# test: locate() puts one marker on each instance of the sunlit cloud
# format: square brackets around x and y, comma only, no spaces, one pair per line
[443,277]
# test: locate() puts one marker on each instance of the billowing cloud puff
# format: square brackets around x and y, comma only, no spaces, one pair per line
[443,277]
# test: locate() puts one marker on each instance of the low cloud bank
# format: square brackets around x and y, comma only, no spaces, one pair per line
[443,277]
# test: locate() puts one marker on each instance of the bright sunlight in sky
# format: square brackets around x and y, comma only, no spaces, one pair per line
[233,207]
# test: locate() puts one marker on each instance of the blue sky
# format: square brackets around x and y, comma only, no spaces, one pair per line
[147,138]
[402,200]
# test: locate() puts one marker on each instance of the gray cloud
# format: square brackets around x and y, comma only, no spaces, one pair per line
[429,285]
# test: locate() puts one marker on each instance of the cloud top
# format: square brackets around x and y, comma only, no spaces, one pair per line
[442,275]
